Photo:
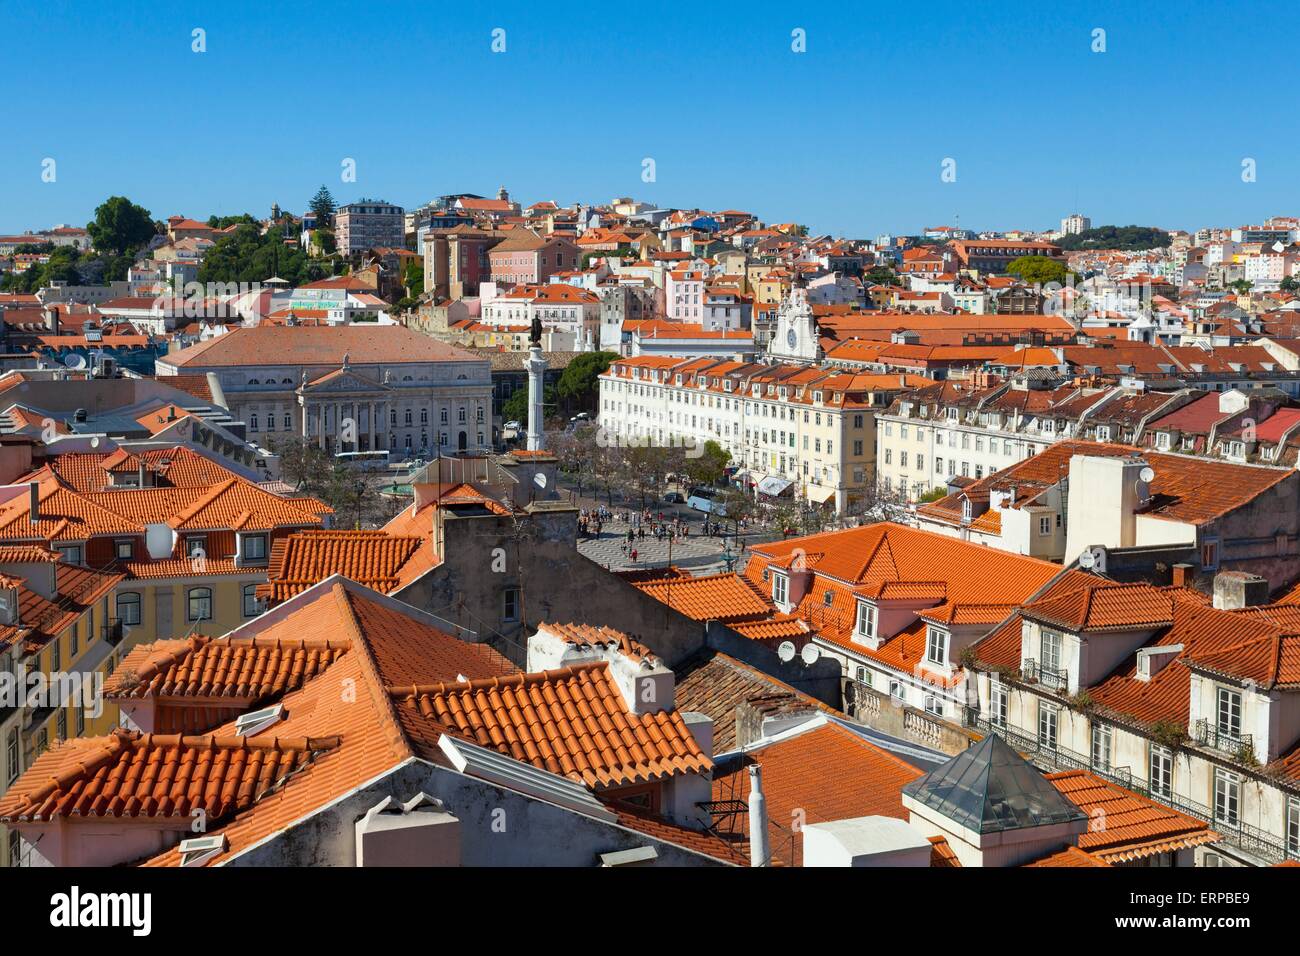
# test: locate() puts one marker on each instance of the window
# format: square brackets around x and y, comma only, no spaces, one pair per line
[11,757]
[125,550]
[780,588]
[1210,554]
[1161,777]
[866,619]
[1047,725]
[196,546]
[71,553]
[1227,797]
[998,705]
[933,705]
[936,646]
[1051,644]
[510,604]
[1044,524]
[896,689]
[1100,747]
[255,547]
[199,604]
[61,724]
[1293,826]
[1229,713]
[252,606]
[128,607]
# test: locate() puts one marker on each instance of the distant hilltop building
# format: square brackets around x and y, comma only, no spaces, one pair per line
[1074,224]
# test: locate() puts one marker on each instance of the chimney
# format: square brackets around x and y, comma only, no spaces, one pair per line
[34,500]
[1237,589]
[759,848]
[1181,576]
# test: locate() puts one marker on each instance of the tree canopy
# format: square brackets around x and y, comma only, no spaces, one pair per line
[578,383]
[1038,270]
[120,226]
[323,205]
[1130,238]
[247,256]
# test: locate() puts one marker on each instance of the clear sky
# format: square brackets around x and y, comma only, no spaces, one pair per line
[847,137]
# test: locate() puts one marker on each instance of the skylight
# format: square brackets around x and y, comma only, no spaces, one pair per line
[251,724]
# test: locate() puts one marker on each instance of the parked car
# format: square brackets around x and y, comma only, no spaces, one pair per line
[512,426]
[675,498]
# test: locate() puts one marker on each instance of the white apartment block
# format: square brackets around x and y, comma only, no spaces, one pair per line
[810,429]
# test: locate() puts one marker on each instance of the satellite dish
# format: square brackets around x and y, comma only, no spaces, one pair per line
[1147,474]
[810,654]
[75,361]
[785,651]
[539,480]
[1087,559]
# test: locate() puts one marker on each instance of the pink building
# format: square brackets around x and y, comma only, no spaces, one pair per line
[526,258]
[684,292]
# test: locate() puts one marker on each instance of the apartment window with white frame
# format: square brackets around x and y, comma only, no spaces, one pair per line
[1051,650]
[780,588]
[866,625]
[1227,797]
[1228,721]
[1101,746]
[1048,722]
[1160,779]
[936,645]
[933,705]
[1293,826]
[998,698]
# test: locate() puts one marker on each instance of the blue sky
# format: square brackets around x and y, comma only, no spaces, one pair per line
[847,137]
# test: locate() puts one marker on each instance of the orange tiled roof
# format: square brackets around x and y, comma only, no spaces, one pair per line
[825,774]
[1107,606]
[129,774]
[941,854]
[572,721]
[1068,856]
[720,597]
[372,558]
[1124,826]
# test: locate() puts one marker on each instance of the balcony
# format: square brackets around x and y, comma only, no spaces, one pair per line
[1209,735]
[1049,677]
[112,631]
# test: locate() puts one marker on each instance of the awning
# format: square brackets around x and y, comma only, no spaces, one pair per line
[820,494]
[743,478]
[774,485]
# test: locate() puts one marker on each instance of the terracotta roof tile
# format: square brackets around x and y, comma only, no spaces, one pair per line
[572,721]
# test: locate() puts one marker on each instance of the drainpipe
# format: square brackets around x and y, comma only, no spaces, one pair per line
[759,846]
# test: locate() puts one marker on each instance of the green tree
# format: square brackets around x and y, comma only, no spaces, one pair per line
[120,226]
[578,384]
[225,222]
[880,275]
[1124,238]
[322,204]
[1290,284]
[1038,270]
[1241,286]
[709,467]
[248,256]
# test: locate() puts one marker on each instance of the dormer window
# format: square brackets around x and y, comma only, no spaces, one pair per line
[866,622]
[965,509]
[780,588]
[936,645]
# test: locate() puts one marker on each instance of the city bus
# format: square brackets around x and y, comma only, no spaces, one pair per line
[706,500]
[363,460]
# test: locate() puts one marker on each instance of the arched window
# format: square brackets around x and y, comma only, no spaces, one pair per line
[252,422]
[199,604]
[128,607]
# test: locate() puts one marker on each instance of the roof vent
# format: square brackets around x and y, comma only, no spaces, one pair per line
[251,724]
[197,851]
[79,415]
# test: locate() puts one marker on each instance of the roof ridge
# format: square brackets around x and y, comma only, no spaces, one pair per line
[396,737]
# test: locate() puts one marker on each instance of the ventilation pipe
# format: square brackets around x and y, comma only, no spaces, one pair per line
[759,844]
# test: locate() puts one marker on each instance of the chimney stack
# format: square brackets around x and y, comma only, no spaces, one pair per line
[34,500]
[1238,589]
[759,846]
